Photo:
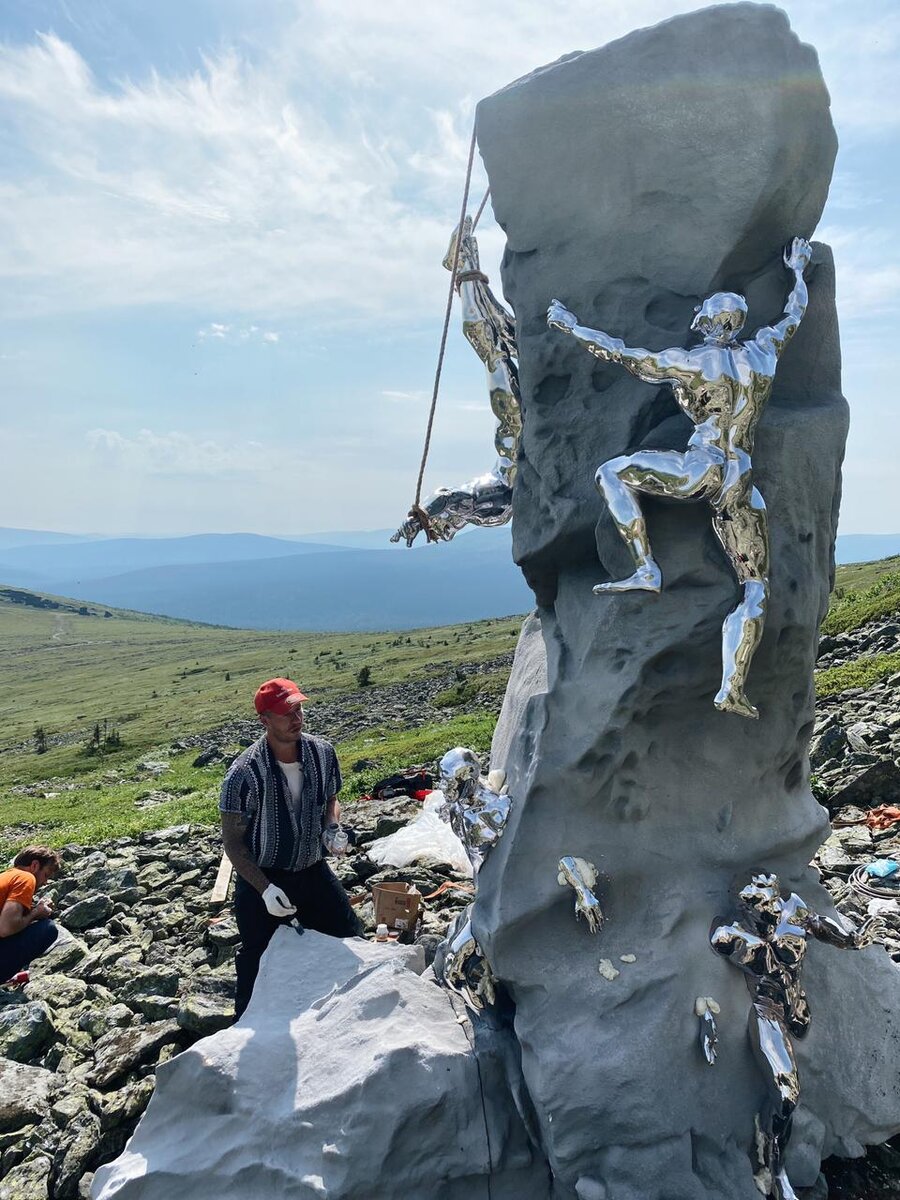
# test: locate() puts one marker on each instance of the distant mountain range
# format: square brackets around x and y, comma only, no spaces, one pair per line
[328,581]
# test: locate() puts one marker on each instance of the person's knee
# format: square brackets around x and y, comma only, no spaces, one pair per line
[46,933]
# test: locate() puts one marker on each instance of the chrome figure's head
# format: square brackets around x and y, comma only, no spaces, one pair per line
[721,317]
[460,771]
[762,899]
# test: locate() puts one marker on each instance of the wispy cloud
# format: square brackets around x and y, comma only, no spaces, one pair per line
[319,178]
[215,331]
[174,453]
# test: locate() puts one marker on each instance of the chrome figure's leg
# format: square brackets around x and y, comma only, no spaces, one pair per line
[654,473]
[775,1052]
[742,528]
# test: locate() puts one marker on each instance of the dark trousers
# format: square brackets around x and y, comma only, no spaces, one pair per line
[322,904]
[19,949]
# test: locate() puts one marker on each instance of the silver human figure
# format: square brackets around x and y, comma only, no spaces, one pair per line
[768,943]
[460,965]
[491,330]
[722,386]
[476,811]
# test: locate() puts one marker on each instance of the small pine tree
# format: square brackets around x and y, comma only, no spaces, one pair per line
[40,740]
[364,676]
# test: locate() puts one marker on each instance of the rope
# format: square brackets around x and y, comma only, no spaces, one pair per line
[861,882]
[417,511]
[484,200]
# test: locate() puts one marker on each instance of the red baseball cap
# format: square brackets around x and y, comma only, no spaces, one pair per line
[279,696]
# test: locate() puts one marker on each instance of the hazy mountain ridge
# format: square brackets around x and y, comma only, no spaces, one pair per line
[257,582]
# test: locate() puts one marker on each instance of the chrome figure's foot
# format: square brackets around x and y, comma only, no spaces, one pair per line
[647,578]
[735,702]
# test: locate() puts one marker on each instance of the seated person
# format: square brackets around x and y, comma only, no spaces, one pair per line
[26,930]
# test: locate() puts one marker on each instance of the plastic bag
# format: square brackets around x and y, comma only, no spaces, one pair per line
[426,839]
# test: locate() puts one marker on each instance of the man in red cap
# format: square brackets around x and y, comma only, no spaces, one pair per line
[277,800]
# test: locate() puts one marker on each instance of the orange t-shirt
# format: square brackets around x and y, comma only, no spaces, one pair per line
[17,885]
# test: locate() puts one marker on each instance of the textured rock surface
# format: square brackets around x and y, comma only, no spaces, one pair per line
[631,182]
[349,1076]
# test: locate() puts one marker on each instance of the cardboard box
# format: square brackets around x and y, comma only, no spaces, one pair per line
[396,905]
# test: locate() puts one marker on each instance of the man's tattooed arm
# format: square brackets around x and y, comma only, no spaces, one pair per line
[234,826]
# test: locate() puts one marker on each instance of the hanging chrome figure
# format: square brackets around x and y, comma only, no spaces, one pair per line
[768,943]
[722,386]
[491,330]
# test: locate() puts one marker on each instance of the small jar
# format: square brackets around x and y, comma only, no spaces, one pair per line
[381,933]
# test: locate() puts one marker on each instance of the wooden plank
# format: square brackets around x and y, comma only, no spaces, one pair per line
[223,881]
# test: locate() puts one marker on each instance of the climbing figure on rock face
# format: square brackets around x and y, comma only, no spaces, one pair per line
[491,330]
[722,386]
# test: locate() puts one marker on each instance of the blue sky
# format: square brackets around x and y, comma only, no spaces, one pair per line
[221,227]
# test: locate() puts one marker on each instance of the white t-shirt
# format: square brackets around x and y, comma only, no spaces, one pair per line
[293,777]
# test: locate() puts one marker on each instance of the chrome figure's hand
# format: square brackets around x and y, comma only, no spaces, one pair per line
[798,254]
[559,317]
[409,531]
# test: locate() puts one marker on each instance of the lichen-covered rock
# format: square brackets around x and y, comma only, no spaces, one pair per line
[27,1180]
[87,912]
[24,1094]
[205,1014]
[120,1050]
[631,182]
[24,1030]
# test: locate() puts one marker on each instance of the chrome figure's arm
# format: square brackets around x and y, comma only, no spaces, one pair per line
[491,331]
[826,929]
[581,876]
[774,338]
[650,367]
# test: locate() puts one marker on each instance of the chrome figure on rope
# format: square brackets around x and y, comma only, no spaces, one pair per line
[768,943]
[722,386]
[491,330]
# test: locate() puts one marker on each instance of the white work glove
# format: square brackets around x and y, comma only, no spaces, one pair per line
[277,902]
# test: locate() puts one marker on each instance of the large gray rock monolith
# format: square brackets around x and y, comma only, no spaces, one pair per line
[350,1076]
[631,182]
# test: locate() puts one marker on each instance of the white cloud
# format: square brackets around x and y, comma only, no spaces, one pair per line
[174,453]
[218,331]
[320,179]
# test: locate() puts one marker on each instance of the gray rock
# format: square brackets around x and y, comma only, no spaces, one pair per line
[203,1014]
[88,912]
[338,1115]
[65,953]
[119,1051]
[25,1030]
[58,991]
[631,182]
[528,678]
[24,1094]
[28,1180]
[156,1008]
[868,785]
[77,1156]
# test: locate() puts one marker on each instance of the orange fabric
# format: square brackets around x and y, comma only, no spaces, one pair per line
[882,817]
[17,885]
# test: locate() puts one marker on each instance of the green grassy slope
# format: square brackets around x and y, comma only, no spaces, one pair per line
[156,679]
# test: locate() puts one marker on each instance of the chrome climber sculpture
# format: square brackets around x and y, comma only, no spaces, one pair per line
[722,386]
[768,943]
[460,965]
[477,809]
[491,330]
[581,876]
